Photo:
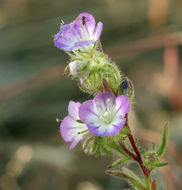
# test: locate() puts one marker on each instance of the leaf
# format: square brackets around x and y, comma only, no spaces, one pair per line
[118,162]
[117,147]
[162,147]
[130,179]
[161,164]
[134,176]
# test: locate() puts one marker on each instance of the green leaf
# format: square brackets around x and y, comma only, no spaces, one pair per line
[134,176]
[117,147]
[162,147]
[161,164]
[118,162]
[130,179]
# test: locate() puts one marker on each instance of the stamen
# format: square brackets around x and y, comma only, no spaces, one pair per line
[81,132]
[62,34]
[68,31]
[58,120]
[79,28]
[78,19]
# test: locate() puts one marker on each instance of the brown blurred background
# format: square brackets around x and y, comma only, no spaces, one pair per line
[143,37]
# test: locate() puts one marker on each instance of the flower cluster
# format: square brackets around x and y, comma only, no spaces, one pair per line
[104,116]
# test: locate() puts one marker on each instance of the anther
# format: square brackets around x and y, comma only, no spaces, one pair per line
[58,120]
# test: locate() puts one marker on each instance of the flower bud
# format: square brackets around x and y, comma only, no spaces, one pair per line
[126,87]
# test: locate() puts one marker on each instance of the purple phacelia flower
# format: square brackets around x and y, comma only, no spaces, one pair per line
[72,129]
[82,33]
[105,114]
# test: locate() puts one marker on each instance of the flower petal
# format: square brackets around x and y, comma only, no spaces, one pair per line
[122,105]
[75,142]
[97,31]
[73,108]
[88,22]
[88,112]
[70,130]
[105,101]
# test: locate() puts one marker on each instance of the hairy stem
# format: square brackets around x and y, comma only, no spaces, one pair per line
[136,157]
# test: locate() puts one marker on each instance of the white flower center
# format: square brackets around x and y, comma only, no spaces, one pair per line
[107,117]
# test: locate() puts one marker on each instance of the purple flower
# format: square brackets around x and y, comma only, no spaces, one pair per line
[80,34]
[72,130]
[105,114]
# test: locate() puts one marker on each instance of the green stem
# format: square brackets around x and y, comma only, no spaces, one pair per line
[147,182]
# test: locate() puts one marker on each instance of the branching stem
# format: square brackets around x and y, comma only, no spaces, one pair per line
[136,157]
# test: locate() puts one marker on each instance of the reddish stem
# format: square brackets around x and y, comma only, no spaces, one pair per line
[136,157]
[127,151]
[106,86]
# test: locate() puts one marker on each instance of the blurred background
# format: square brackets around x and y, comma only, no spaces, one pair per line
[143,37]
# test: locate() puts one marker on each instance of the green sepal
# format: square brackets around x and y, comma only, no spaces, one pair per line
[70,54]
[162,147]
[82,69]
[105,150]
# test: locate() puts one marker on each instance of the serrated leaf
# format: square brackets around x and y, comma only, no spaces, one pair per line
[162,147]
